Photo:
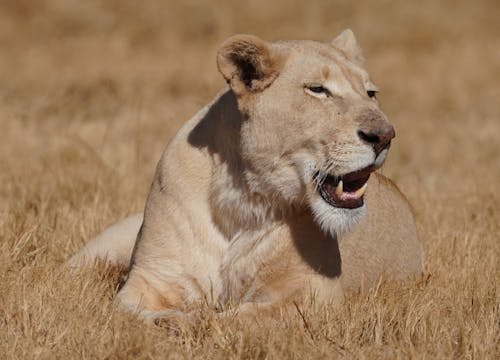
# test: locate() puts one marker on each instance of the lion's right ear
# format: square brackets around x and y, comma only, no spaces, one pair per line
[248,63]
[346,42]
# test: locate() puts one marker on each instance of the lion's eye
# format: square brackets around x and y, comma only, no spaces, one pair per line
[318,90]
[371,93]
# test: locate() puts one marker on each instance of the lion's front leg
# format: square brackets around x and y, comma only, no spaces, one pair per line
[144,292]
[176,259]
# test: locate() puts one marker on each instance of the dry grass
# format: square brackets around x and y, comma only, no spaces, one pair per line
[92,90]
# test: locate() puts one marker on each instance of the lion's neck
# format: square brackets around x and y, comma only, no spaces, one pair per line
[235,208]
[235,205]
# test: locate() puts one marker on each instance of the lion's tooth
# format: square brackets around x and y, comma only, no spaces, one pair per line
[340,188]
[360,191]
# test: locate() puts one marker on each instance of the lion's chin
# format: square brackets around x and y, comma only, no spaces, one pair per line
[336,220]
[338,203]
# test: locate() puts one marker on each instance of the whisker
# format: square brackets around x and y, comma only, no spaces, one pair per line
[318,179]
[329,166]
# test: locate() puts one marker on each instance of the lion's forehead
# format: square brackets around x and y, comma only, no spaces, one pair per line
[324,64]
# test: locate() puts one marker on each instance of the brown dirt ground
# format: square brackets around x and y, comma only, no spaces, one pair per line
[90,92]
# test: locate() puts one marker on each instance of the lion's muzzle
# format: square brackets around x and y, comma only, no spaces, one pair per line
[376,130]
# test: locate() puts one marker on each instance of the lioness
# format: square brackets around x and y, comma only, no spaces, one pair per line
[269,194]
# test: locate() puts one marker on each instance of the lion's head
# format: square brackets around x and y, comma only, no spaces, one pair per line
[313,129]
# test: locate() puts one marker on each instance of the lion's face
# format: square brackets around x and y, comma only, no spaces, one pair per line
[314,131]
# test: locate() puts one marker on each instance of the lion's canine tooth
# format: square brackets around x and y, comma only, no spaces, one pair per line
[360,191]
[340,188]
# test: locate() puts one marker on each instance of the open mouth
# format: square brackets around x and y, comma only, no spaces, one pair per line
[344,191]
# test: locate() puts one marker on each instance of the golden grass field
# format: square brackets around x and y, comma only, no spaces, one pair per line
[91,91]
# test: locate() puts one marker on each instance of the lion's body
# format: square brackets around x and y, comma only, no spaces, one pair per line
[233,216]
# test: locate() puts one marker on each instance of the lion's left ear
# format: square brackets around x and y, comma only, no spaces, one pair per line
[248,63]
[346,42]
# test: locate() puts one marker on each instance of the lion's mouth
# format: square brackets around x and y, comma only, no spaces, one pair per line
[344,191]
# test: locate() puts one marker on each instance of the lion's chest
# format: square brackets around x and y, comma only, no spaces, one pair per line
[260,266]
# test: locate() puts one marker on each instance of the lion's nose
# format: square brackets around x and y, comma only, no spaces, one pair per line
[379,137]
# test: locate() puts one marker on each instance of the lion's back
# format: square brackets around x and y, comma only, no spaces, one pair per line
[386,241]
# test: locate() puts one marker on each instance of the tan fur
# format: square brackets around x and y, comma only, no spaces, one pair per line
[234,217]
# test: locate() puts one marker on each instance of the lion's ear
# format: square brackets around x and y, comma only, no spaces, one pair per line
[248,63]
[346,42]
